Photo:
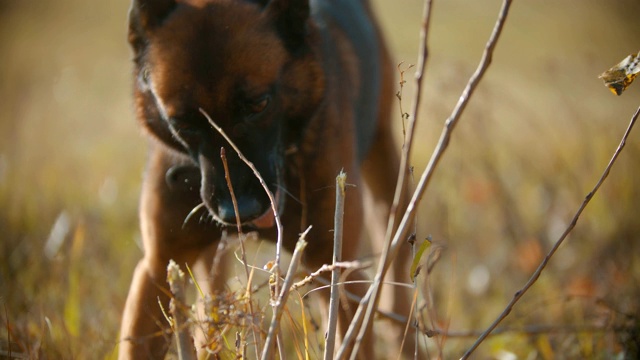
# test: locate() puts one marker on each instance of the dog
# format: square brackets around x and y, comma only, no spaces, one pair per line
[303,88]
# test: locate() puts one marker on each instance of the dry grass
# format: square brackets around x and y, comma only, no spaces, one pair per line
[533,141]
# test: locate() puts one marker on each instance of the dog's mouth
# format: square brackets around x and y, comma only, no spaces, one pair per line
[267,219]
[247,200]
[264,221]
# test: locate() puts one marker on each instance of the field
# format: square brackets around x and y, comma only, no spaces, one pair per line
[533,141]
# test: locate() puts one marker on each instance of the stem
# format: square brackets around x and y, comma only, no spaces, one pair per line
[256,173]
[536,274]
[274,328]
[372,297]
[334,300]
[243,252]
[400,184]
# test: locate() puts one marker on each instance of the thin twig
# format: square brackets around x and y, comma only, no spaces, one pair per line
[372,297]
[536,274]
[256,173]
[413,315]
[403,115]
[334,299]
[400,191]
[227,178]
[382,314]
[267,352]
[441,147]
[531,330]
[280,344]
[243,252]
[326,268]
[407,324]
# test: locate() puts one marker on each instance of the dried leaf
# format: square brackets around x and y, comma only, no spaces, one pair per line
[619,77]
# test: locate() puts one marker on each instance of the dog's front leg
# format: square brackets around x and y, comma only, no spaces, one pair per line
[142,322]
[163,210]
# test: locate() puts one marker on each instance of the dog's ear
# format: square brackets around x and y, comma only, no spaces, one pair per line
[290,18]
[144,16]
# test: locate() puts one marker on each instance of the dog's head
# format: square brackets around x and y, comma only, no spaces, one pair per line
[250,66]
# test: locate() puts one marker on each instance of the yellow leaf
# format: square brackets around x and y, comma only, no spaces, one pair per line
[416,260]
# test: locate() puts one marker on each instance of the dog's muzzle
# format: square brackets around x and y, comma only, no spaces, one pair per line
[251,212]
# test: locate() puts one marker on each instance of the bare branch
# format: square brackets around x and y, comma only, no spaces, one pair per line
[536,274]
[335,273]
[274,208]
[227,178]
[372,297]
[274,328]
[532,330]
[326,268]
[400,184]
[241,237]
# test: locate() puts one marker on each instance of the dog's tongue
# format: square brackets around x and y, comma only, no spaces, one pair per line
[265,220]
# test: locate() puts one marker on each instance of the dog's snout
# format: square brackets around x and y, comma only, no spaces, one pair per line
[248,209]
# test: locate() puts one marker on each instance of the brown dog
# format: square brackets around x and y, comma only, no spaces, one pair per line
[303,88]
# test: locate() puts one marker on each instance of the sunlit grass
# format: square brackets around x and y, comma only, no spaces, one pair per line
[534,140]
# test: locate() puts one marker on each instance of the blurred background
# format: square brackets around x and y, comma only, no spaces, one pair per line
[532,143]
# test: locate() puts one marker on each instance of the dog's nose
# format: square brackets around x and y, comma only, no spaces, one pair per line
[248,208]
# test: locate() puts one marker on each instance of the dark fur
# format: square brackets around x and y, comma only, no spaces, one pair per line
[304,91]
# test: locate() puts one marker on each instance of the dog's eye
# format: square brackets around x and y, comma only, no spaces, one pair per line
[258,105]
